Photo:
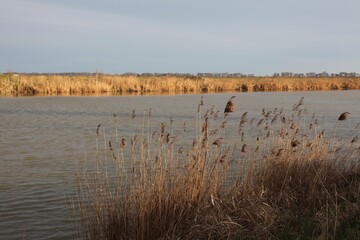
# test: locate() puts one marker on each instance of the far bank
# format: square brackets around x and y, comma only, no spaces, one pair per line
[32,84]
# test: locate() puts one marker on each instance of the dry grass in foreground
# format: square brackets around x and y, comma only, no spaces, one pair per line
[282,179]
[103,83]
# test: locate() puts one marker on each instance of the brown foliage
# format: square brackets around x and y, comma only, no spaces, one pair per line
[212,189]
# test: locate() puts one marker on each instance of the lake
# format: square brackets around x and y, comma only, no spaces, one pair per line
[43,138]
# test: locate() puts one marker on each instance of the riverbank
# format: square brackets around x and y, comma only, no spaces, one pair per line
[28,84]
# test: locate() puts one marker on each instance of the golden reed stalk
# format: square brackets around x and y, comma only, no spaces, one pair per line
[105,83]
[275,176]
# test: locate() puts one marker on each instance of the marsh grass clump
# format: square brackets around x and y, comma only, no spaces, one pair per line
[278,176]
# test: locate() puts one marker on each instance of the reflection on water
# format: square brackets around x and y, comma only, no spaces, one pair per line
[89,94]
[42,138]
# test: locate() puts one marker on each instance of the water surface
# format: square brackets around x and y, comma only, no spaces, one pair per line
[42,138]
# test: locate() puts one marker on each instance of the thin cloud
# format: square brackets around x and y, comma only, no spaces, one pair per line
[250,36]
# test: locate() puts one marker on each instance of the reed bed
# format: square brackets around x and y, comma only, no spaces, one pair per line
[277,176]
[104,83]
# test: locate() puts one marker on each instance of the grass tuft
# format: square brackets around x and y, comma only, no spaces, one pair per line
[278,178]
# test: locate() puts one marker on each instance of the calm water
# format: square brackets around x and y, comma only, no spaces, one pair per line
[42,138]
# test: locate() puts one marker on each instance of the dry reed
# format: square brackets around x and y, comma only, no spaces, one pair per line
[278,178]
[103,83]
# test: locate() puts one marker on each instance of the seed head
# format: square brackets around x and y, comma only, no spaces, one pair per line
[343,116]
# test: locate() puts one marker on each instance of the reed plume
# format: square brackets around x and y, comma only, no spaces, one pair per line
[230,106]
[343,116]
[283,182]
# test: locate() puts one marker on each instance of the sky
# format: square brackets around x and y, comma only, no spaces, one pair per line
[258,37]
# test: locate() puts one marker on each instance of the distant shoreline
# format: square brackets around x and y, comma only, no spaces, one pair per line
[98,83]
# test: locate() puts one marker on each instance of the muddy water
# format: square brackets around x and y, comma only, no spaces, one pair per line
[42,138]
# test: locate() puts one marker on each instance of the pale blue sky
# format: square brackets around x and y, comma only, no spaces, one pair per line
[257,36]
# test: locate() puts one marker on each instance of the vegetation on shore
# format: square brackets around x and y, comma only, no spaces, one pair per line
[279,177]
[28,84]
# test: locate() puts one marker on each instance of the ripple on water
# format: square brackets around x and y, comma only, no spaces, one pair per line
[43,137]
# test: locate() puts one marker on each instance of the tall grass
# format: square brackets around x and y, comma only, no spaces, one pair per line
[104,83]
[279,177]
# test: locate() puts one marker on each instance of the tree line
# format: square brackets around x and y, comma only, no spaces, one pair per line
[200,75]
